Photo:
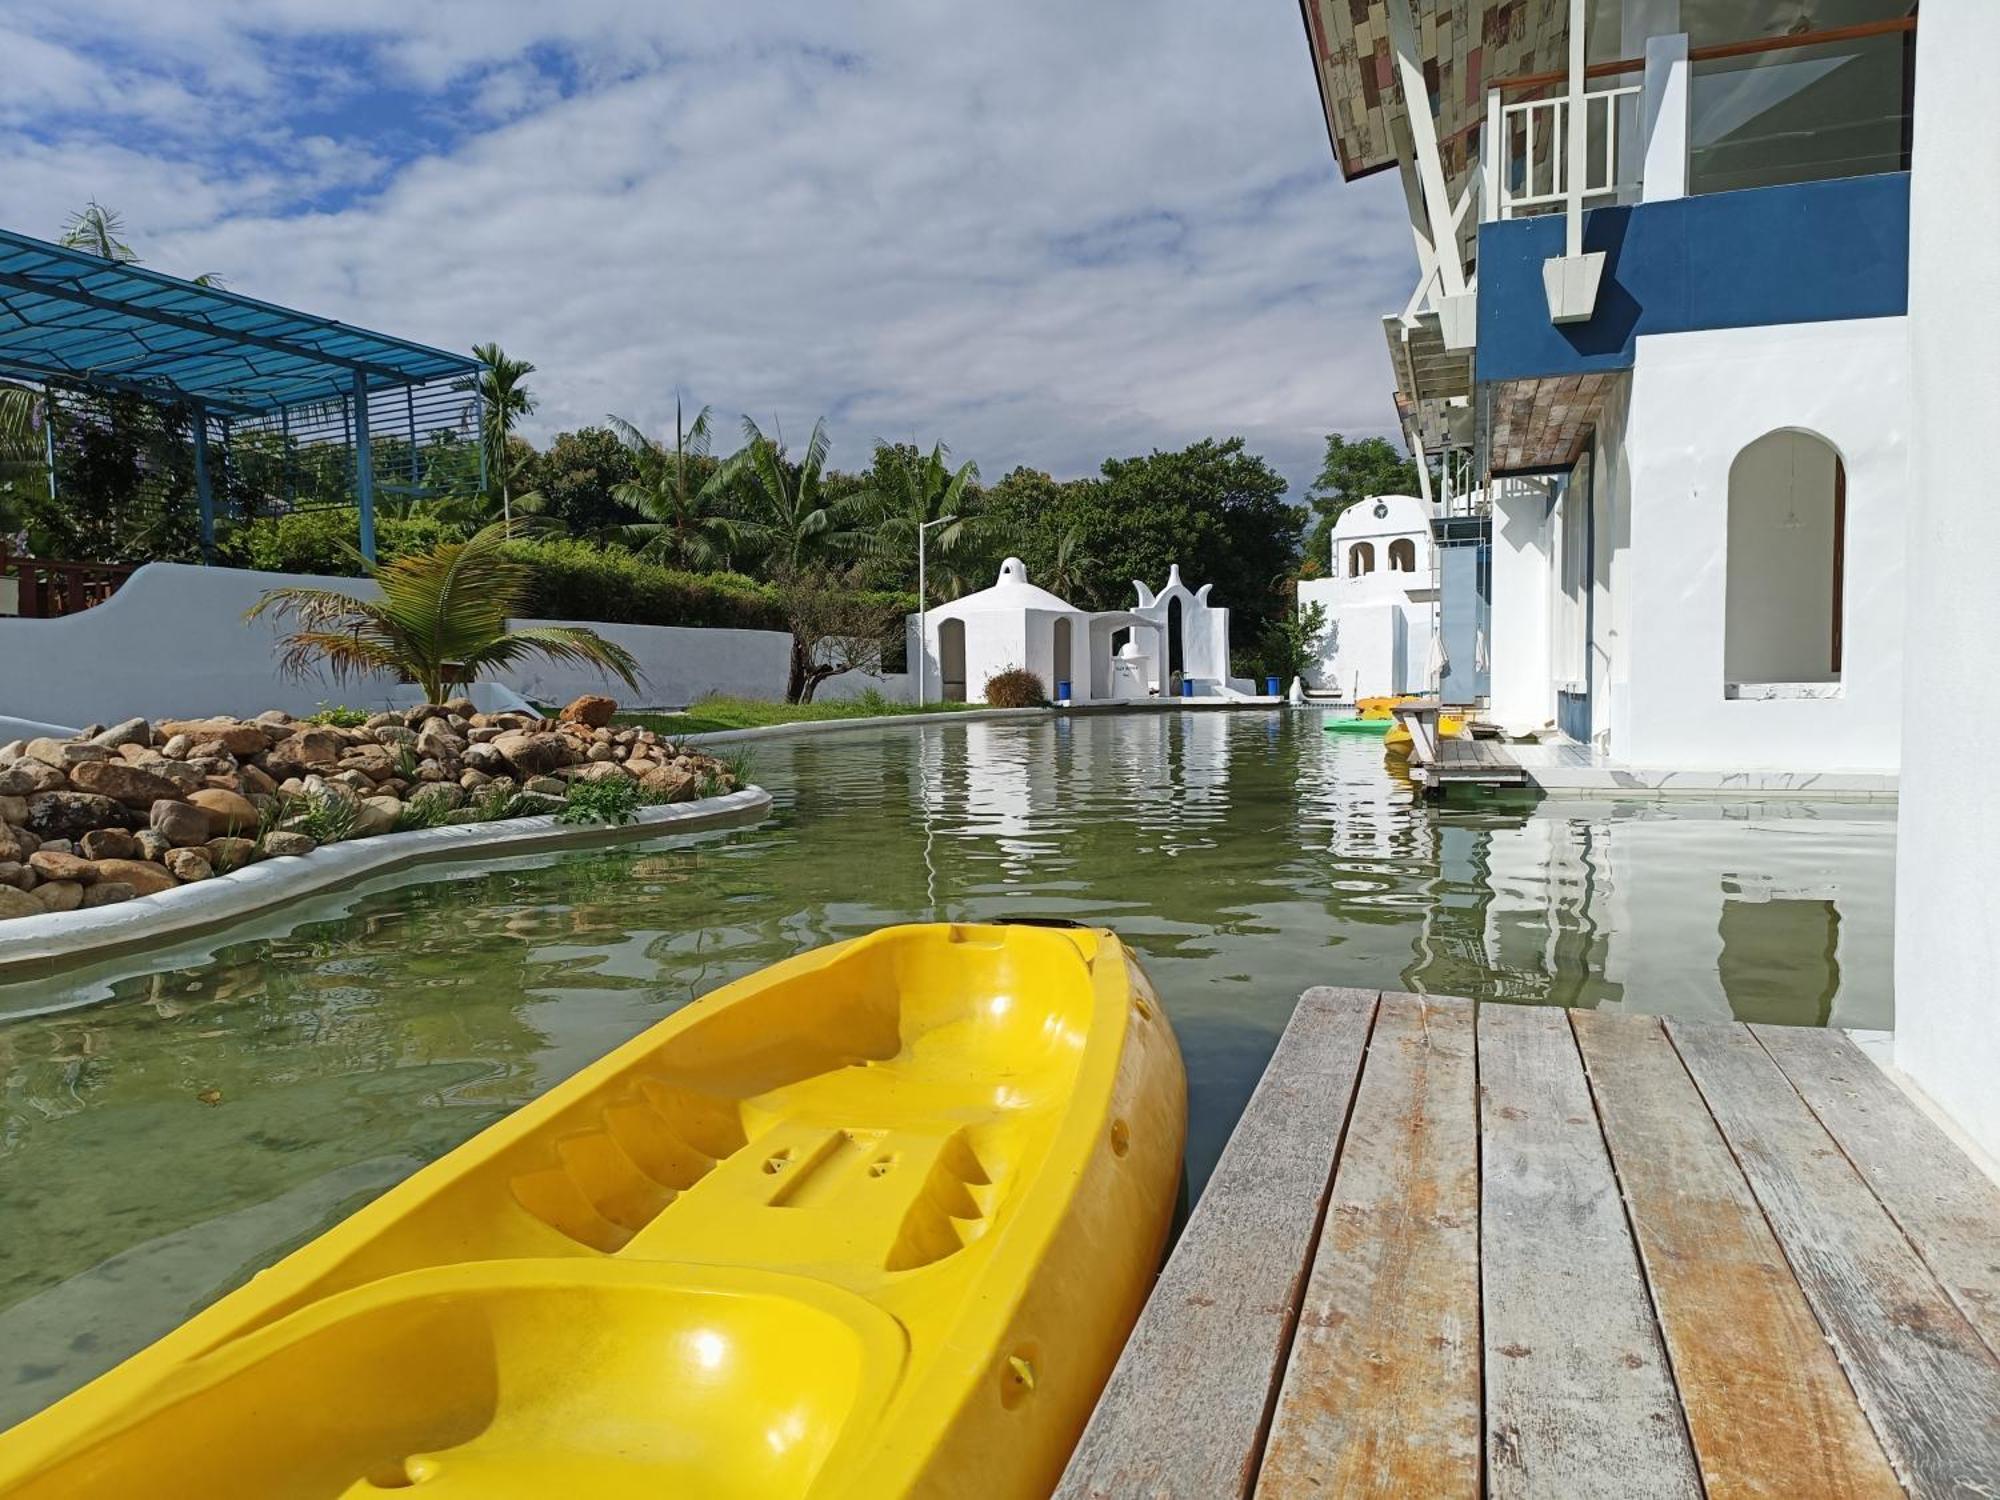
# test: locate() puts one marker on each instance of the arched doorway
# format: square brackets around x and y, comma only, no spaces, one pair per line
[1176,658]
[951,660]
[1787,535]
[1062,657]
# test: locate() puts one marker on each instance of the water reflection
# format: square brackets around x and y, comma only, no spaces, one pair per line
[170,1123]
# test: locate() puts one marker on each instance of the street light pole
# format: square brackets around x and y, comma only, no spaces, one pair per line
[923,600]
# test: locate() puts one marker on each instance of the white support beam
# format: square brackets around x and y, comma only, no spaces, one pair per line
[1404,44]
[1578,151]
[1664,105]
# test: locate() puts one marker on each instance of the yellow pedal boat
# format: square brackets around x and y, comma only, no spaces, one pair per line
[871,1223]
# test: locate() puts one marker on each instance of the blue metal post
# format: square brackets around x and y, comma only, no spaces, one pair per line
[364,467]
[204,491]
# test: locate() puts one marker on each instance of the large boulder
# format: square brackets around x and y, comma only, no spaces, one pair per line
[26,777]
[108,893]
[59,895]
[62,754]
[534,754]
[668,784]
[15,903]
[304,750]
[592,710]
[373,761]
[240,738]
[181,824]
[228,812]
[109,843]
[139,875]
[52,866]
[121,780]
[436,741]
[376,815]
[131,732]
[70,815]
[225,855]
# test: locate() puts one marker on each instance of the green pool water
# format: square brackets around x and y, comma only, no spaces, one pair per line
[176,1120]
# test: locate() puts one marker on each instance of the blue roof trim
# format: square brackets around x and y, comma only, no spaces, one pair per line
[69,315]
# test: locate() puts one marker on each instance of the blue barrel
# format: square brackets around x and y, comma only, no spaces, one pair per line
[1187,687]
[1062,691]
[1270,687]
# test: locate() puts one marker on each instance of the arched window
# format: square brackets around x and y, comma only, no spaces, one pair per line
[951,660]
[1787,533]
[1402,555]
[1360,559]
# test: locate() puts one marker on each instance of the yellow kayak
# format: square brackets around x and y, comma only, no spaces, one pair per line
[873,1222]
[1396,740]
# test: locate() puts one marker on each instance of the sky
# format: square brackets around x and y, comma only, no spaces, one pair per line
[1041,231]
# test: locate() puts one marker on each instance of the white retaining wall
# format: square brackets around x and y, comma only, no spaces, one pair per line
[173,643]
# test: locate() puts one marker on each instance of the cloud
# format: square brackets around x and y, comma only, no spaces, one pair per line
[1045,233]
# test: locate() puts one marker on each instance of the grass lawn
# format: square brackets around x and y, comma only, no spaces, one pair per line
[748,713]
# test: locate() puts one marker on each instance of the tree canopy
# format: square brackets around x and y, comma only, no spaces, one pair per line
[1350,473]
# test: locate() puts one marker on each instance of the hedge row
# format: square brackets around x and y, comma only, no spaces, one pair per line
[576,581]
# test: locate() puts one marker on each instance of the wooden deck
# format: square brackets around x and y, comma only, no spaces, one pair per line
[1529,1252]
[1476,762]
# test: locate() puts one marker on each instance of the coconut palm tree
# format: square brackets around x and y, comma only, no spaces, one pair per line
[98,229]
[440,621]
[792,522]
[1072,566]
[911,491]
[684,522]
[504,399]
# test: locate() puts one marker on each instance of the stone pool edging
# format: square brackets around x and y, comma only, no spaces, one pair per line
[43,943]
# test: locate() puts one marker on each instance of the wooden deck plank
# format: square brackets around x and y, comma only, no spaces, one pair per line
[1927,1382]
[1382,1392]
[1948,1207]
[1579,1399]
[1769,1410]
[1185,1411]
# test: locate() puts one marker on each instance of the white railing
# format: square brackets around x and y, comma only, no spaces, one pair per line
[1527,150]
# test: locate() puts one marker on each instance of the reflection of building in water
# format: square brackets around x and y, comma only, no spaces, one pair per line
[1699,909]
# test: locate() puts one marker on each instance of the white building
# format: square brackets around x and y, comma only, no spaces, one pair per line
[1171,638]
[1711,322]
[1380,599]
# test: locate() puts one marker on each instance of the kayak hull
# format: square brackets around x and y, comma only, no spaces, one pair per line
[874,1222]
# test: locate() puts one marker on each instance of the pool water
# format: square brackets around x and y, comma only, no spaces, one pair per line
[171,1122]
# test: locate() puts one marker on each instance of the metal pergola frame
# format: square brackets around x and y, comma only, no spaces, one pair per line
[71,319]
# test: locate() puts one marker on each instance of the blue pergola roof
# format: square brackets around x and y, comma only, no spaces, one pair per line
[68,315]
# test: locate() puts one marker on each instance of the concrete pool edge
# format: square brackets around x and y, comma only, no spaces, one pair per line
[34,946]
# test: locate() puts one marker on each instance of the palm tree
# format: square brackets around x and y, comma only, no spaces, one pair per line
[98,229]
[793,525]
[503,400]
[911,492]
[684,524]
[440,621]
[1071,567]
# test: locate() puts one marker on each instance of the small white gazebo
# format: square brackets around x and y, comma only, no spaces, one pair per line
[1015,623]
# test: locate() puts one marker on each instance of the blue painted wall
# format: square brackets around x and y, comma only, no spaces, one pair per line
[1810,252]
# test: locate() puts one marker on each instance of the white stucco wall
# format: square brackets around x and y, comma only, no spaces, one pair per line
[1378,638]
[173,642]
[1522,692]
[1947,941]
[1697,400]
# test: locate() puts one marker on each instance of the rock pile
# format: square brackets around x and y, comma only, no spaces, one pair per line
[139,808]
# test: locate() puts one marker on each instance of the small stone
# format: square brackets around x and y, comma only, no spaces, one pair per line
[58,846]
[534,754]
[26,777]
[108,843]
[483,757]
[279,844]
[273,718]
[601,751]
[16,903]
[394,733]
[465,815]
[256,781]
[669,785]
[59,895]
[229,854]
[127,783]
[304,750]
[639,765]
[131,732]
[207,750]
[17,875]
[189,864]
[228,812]
[151,845]
[13,810]
[603,770]
[185,775]
[14,843]
[70,815]
[108,893]
[240,738]
[547,786]
[440,791]
[140,875]
[177,746]
[436,741]
[591,709]
[181,824]
[534,803]
[52,866]
[472,781]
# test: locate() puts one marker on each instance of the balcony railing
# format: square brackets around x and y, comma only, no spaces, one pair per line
[1531,172]
[38,588]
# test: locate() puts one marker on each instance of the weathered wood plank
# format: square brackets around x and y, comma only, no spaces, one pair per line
[1579,1400]
[1946,1205]
[1929,1386]
[1381,1395]
[1769,1410]
[1185,1411]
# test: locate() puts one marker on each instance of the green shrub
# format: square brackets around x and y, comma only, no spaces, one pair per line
[326,541]
[615,801]
[1015,687]
[422,812]
[574,580]
[339,715]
